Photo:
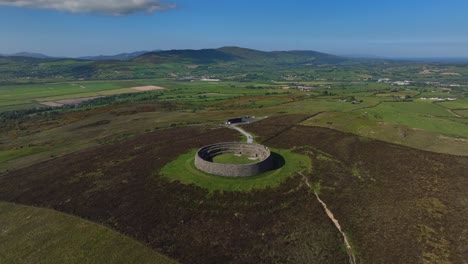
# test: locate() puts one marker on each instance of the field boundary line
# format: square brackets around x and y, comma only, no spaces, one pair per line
[292,125]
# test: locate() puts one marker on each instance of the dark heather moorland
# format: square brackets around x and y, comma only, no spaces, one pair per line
[397,204]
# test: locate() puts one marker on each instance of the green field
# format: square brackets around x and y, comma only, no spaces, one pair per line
[419,114]
[400,133]
[233,159]
[462,112]
[458,104]
[7,155]
[183,170]
[26,96]
[13,97]
[36,235]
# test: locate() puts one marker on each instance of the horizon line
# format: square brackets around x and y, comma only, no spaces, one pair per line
[353,55]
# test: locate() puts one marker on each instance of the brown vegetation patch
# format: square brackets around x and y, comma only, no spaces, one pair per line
[95,124]
[117,185]
[74,101]
[397,204]
[144,108]
[51,104]
[147,88]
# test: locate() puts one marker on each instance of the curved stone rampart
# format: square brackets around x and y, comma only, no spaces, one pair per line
[205,155]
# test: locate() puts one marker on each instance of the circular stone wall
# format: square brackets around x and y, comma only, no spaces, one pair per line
[205,155]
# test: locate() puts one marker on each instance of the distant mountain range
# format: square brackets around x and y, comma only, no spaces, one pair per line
[230,63]
[228,54]
[120,57]
[29,55]
[200,56]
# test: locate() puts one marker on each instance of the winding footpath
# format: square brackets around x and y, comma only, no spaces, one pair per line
[352,258]
[245,133]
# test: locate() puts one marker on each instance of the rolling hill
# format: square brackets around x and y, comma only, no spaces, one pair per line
[31,55]
[222,62]
[229,54]
[119,57]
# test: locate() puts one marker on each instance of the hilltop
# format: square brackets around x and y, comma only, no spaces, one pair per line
[31,55]
[230,54]
[119,57]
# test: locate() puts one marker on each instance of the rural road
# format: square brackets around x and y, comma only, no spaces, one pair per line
[245,133]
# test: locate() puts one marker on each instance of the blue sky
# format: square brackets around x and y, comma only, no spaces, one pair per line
[410,28]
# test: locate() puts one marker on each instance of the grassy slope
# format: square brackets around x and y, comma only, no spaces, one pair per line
[37,235]
[7,155]
[418,114]
[360,124]
[459,104]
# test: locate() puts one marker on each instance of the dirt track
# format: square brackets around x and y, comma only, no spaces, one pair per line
[248,136]
[352,258]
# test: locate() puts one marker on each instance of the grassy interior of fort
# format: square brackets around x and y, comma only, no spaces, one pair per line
[287,163]
[231,158]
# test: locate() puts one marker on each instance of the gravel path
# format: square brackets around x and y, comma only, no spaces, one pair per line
[245,133]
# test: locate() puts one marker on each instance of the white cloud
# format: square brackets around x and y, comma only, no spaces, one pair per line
[110,7]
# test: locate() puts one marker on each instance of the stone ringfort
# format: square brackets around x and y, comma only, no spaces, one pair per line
[205,155]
